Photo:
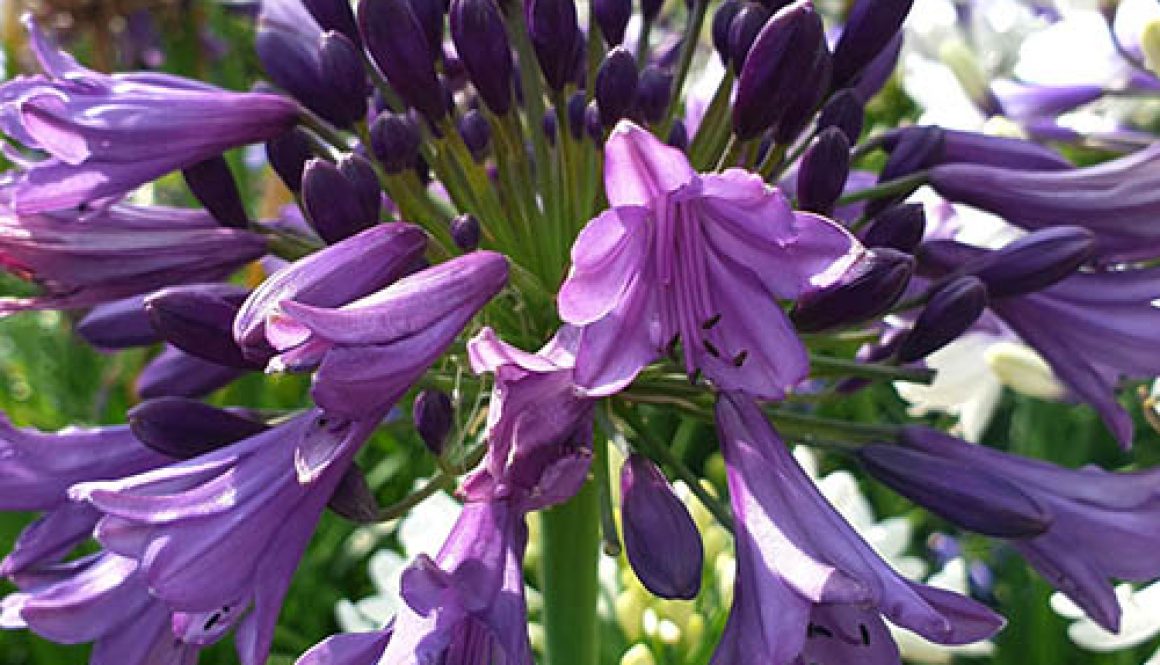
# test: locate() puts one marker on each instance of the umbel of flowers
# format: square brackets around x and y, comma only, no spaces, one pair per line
[477,180]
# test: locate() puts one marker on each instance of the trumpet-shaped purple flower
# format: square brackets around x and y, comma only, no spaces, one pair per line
[1102,524]
[87,258]
[809,589]
[225,530]
[105,135]
[697,258]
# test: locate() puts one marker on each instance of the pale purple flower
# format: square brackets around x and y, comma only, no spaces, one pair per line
[808,588]
[103,135]
[699,258]
[85,258]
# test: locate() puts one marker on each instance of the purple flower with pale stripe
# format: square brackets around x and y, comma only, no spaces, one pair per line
[103,135]
[808,588]
[699,258]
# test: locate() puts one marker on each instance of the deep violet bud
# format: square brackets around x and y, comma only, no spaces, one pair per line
[186,428]
[198,319]
[476,133]
[592,124]
[477,29]
[900,227]
[612,16]
[577,107]
[747,22]
[433,415]
[616,82]
[288,155]
[782,62]
[335,15]
[845,111]
[340,200]
[465,232]
[722,24]
[870,27]
[341,65]
[177,373]
[555,35]
[975,500]
[824,168]
[803,105]
[1036,261]
[679,135]
[960,147]
[397,42]
[949,313]
[121,324]
[354,499]
[650,9]
[213,185]
[652,93]
[430,15]
[914,152]
[395,142]
[867,289]
[660,538]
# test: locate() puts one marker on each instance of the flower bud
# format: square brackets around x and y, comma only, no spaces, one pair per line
[176,373]
[198,320]
[722,24]
[966,496]
[337,206]
[430,16]
[288,155]
[353,499]
[184,428]
[396,41]
[433,416]
[342,69]
[577,107]
[476,133]
[556,38]
[660,538]
[975,148]
[395,142]
[679,135]
[750,18]
[465,232]
[803,104]
[612,16]
[900,227]
[651,9]
[616,82]
[780,65]
[823,171]
[870,27]
[875,75]
[866,290]
[335,15]
[121,324]
[1036,261]
[653,90]
[593,127]
[950,311]
[477,29]
[844,111]
[914,152]
[213,185]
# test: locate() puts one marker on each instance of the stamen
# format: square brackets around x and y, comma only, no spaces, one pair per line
[708,325]
[865,634]
[211,621]
[813,630]
[712,350]
[739,359]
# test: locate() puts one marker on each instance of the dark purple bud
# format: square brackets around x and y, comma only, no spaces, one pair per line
[288,155]
[879,71]
[616,85]
[803,105]
[353,499]
[556,38]
[844,111]
[915,151]
[939,258]
[722,25]
[430,15]
[212,184]
[780,65]
[650,9]
[900,227]
[966,496]
[342,68]
[1036,261]
[361,175]
[869,288]
[174,372]
[679,135]
[397,42]
[465,232]
[476,133]
[477,28]
[743,30]
[395,142]
[870,27]
[121,324]
[612,16]
[184,428]
[652,93]
[950,311]
[959,147]
[333,204]
[577,107]
[823,171]
[433,415]
[592,124]
[335,15]
[199,319]
[660,539]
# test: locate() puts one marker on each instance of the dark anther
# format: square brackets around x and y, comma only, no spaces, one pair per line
[712,350]
[323,421]
[211,621]
[739,359]
[711,322]
[813,630]
[865,634]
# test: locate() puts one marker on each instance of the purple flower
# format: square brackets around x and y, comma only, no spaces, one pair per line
[695,258]
[808,587]
[223,531]
[82,259]
[1102,524]
[105,135]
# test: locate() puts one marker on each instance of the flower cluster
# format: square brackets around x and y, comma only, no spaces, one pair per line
[476,178]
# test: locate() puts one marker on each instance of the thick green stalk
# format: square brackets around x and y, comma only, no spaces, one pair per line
[570,549]
[901,187]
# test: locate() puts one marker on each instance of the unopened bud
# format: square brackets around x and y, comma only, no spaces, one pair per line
[949,313]
[652,93]
[555,34]
[212,184]
[121,324]
[395,142]
[612,16]
[335,15]
[397,42]
[679,135]
[433,416]
[722,24]
[288,155]
[465,232]
[1036,261]
[353,499]
[476,133]
[870,27]
[915,151]
[336,205]
[577,107]
[900,227]
[184,428]
[651,9]
[430,16]
[868,289]
[823,171]
[198,319]
[477,29]
[748,21]
[661,541]
[959,147]
[616,82]
[342,69]
[844,111]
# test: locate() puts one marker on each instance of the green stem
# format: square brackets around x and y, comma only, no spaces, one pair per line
[688,48]
[604,481]
[900,187]
[570,551]
[801,425]
[830,366]
[708,142]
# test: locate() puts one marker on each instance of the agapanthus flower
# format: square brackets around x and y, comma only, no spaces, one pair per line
[699,258]
[105,135]
[808,588]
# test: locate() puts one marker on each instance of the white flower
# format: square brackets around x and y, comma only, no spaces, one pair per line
[1139,621]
